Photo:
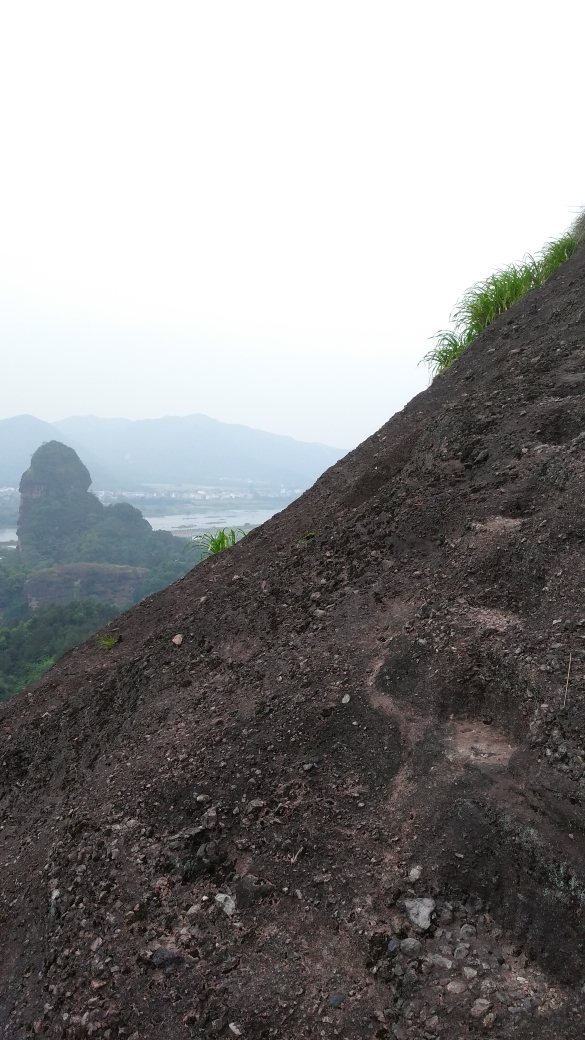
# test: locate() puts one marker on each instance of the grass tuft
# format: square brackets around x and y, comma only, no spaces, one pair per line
[108,641]
[485,301]
[222,539]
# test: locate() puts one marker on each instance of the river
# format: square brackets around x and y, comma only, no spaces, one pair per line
[211,519]
[205,520]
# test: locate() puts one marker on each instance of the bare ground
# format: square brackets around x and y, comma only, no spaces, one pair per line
[371,707]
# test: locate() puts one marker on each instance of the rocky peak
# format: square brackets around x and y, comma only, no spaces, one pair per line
[54,468]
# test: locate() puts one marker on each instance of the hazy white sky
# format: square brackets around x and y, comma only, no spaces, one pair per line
[262,210]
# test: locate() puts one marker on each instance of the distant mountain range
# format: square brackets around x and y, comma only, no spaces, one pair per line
[125,454]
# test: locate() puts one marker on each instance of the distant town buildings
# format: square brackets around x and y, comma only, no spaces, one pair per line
[208,494]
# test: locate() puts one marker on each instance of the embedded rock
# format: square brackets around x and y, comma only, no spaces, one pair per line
[419,912]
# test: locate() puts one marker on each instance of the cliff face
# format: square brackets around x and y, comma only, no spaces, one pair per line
[349,800]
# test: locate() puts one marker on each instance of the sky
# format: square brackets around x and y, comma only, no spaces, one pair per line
[262,211]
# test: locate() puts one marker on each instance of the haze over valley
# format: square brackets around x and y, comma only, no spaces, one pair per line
[220,473]
[173,451]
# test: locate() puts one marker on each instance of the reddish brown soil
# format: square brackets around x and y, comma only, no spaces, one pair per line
[377,713]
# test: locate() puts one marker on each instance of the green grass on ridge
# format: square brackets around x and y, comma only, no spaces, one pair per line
[485,301]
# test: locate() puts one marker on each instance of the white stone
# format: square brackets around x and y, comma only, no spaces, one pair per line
[419,912]
[226,903]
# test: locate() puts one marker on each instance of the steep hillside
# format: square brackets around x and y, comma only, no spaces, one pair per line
[331,782]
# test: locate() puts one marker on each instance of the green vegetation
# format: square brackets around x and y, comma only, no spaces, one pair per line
[214,543]
[61,522]
[29,647]
[485,301]
[78,564]
[13,600]
[108,641]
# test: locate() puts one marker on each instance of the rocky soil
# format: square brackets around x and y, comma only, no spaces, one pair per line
[331,783]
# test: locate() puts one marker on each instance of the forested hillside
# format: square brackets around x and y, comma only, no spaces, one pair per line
[77,565]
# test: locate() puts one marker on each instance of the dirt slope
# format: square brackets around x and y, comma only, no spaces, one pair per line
[351,802]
